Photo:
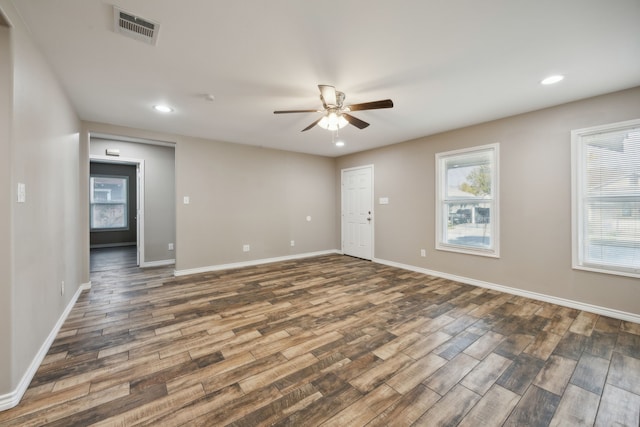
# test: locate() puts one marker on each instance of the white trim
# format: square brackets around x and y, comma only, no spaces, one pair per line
[466,250]
[160,263]
[441,222]
[603,311]
[110,137]
[585,267]
[252,263]
[99,158]
[140,186]
[577,197]
[11,399]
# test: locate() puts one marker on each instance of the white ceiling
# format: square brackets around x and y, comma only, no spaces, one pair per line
[445,64]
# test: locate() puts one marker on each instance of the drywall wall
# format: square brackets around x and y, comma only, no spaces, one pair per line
[244,195]
[159,193]
[46,240]
[535,202]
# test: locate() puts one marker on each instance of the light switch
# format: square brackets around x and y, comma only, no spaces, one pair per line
[22,192]
[185,200]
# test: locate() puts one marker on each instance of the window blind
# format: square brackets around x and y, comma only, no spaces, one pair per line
[610,199]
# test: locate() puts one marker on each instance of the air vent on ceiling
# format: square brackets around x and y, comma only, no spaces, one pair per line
[135,27]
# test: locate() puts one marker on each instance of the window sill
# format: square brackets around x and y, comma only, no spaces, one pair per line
[635,273]
[490,253]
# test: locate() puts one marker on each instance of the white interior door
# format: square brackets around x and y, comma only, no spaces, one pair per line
[357,212]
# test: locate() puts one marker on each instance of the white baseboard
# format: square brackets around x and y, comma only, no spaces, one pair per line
[604,311]
[160,263]
[9,400]
[251,263]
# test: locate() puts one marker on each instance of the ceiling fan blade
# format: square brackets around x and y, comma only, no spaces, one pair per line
[374,105]
[360,124]
[296,111]
[311,125]
[328,94]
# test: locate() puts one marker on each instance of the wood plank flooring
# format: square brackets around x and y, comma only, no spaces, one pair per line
[114,258]
[332,341]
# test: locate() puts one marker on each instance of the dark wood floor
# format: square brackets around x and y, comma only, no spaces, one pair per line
[115,258]
[330,340]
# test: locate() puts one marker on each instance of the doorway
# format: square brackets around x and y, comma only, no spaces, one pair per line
[357,212]
[128,223]
[113,205]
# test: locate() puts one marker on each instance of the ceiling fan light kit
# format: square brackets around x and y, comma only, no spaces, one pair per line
[335,113]
[333,121]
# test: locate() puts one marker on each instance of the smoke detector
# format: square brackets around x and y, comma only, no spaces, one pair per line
[135,27]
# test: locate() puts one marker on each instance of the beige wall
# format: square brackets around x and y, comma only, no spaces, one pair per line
[159,193]
[45,246]
[249,195]
[535,202]
[241,195]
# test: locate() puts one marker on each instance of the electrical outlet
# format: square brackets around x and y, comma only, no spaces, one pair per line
[246,248]
[293,243]
[170,246]
[423,252]
[62,288]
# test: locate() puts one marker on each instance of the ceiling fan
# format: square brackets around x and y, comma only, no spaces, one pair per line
[336,114]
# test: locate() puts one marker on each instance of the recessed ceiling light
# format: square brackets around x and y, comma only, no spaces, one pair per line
[552,79]
[163,108]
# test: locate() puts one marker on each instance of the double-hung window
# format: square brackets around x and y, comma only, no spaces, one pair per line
[606,198]
[109,209]
[467,201]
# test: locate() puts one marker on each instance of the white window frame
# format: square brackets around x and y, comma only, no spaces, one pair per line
[442,220]
[578,196]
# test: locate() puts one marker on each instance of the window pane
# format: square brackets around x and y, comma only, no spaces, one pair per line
[607,198]
[469,224]
[613,164]
[613,233]
[468,176]
[109,189]
[108,215]
[467,200]
[109,209]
